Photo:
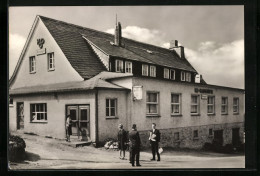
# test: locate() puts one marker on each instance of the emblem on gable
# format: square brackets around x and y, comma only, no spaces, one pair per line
[40,42]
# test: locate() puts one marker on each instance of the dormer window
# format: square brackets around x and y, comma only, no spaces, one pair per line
[172,74]
[166,73]
[128,67]
[32,64]
[182,76]
[119,66]
[152,71]
[51,65]
[188,77]
[145,70]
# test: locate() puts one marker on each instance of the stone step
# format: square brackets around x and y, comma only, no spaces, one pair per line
[76,143]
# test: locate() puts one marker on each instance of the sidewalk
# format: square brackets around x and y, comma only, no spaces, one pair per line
[48,153]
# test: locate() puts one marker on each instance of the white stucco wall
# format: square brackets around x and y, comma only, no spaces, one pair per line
[55,125]
[63,72]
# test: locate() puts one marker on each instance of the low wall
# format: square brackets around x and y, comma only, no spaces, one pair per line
[186,139]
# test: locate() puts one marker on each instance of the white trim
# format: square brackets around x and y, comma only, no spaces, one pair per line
[152,74]
[183,76]
[171,74]
[147,66]
[166,73]
[131,66]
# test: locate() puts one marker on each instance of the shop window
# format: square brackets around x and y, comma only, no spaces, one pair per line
[211,105]
[188,77]
[195,104]
[235,105]
[175,104]
[195,134]
[224,105]
[38,112]
[166,73]
[182,76]
[128,67]
[152,71]
[51,65]
[177,136]
[111,108]
[152,103]
[32,65]
[145,70]
[172,74]
[119,66]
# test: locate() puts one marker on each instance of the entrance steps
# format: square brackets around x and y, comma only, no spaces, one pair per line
[77,142]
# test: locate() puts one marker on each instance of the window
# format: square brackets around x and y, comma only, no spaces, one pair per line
[166,73]
[128,67]
[194,104]
[211,105]
[11,101]
[176,136]
[224,105]
[39,112]
[195,134]
[145,70]
[32,64]
[210,132]
[51,65]
[182,76]
[188,77]
[119,66]
[152,71]
[152,103]
[175,104]
[111,108]
[235,105]
[172,74]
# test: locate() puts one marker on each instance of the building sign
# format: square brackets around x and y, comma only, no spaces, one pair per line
[40,43]
[205,91]
[138,92]
[204,97]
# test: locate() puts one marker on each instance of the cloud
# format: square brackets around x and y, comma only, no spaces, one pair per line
[16,43]
[220,64]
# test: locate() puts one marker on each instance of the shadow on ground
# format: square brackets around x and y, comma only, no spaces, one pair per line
[32,157]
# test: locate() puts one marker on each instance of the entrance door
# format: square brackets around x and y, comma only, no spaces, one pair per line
[218,137]
[235,137]
[80,121]
[20,116]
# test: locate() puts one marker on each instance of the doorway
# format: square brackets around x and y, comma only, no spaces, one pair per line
[235,137]
[80,121]
[218,137]
[20,115]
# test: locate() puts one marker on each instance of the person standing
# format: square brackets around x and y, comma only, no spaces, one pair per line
[122,139]
[68,128]
[154,140]
[134,146]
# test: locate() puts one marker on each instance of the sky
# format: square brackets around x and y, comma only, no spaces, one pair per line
[213,36]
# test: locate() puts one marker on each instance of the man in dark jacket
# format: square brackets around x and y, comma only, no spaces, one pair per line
[154,140]
[134,146]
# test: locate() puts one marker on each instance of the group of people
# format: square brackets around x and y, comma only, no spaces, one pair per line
[134,143]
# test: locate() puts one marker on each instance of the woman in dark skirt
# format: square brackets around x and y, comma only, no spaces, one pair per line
[122,140]
[68,128]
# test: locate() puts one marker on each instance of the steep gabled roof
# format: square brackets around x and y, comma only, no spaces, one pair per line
[70,39]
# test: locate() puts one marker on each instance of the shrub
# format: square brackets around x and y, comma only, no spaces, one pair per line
[16,148]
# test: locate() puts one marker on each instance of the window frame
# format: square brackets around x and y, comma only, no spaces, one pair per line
[195,132]
[237,105]
[225,105]
[213,105]
[45,112]
[176,134]
[143,69]
[188,77]
[198,105]
[121,64]
[157,103]
[210,131]
[126,66]
[32,68]
[179,103]
[152,74]
[171,74]
[53,61]
[164,73]
[183,76]
[109,107]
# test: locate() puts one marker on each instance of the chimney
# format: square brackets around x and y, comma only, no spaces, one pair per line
[173,44]
[118,34]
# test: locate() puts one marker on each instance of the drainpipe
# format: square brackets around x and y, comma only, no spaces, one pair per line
[96,118]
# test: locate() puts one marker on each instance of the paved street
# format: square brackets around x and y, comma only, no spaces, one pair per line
[47,153]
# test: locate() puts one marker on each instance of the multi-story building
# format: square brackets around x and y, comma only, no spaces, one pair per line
[102,80]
